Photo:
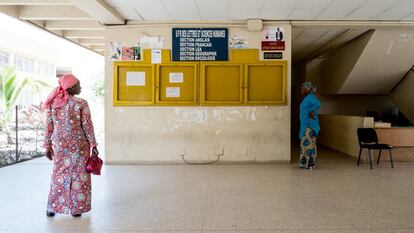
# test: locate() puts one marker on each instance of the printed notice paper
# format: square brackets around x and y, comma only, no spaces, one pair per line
[135,79]
[173,92]
[176,77]
[156,56]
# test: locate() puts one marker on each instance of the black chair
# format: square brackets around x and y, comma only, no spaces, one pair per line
[367,138]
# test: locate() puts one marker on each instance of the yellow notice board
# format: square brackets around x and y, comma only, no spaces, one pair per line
[177,84]
[265,83]
[244,55]
[244,80]
[134,84]
[221,83]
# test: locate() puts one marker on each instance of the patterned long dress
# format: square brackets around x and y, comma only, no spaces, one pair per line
[309,130]
[69,131]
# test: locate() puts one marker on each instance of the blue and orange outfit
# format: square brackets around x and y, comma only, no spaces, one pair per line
[309,128]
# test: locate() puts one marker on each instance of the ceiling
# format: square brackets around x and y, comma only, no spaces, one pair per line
[82,21]
[265,9]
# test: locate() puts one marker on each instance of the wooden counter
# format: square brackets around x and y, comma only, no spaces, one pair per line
[396,136]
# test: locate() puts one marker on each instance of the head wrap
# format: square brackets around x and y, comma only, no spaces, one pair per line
[59,96]
[309,86]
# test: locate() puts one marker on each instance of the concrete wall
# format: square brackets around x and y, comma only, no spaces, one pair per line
[341,62]
[161,134]
[347,105]
[383,63]
[355,105]
[340,132]
[403,96]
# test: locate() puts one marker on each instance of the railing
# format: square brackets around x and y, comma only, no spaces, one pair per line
[22,139]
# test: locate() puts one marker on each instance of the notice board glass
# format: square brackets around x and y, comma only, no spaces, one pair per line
[133,84]
[221,84]
[177,84]
[265,83]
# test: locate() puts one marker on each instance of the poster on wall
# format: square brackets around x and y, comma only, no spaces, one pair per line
[137,52]
[127,53]
[273,38]
[115,50]
[274,34]
[200,44]
[131,53]
[238,42]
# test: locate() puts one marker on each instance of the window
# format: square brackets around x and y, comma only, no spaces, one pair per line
[4,58]
[24,64]
[44,68]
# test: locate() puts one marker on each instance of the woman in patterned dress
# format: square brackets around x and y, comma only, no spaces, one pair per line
[309,126]
[69,138]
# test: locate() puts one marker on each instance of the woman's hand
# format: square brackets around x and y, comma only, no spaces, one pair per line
[312,115]
[95,151]
[49,153]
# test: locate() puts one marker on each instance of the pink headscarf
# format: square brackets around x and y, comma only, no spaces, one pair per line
[59,96]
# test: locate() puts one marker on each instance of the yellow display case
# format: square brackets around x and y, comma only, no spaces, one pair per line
[177,84]
[242,81]
[221,83]
[265,83]
[244,55]
[134,83]
[165,56]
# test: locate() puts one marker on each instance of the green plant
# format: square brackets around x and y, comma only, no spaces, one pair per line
[98,88]
[11,86]
[35,116]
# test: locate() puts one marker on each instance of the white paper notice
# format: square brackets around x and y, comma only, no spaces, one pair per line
[176,77]
[173,92]
[135,79]
[156,56]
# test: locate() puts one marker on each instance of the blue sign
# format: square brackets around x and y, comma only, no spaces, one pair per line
[200,44]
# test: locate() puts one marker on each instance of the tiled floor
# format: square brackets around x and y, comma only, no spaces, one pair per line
[338,197]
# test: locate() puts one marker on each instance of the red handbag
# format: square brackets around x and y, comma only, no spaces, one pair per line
[94,165]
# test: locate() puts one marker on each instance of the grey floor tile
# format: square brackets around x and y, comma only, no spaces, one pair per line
[338,197]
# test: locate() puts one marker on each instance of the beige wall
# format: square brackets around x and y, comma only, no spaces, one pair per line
[355,105]
[340,132]
[161,134]
[384,61]
[341,62]
[403,96]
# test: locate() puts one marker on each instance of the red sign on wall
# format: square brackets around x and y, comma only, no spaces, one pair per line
[273,45]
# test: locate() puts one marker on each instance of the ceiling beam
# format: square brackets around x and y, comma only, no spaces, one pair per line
[75,40]
[81,34]
[34,2]
[85,42]
[100,10]
[98,47]
[52,13]
[40,23]
[73,25]
[57,32]
[12,11]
